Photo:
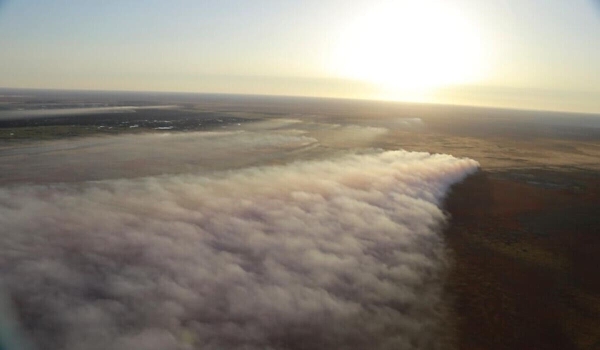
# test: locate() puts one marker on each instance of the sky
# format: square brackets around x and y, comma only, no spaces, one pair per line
[536,54]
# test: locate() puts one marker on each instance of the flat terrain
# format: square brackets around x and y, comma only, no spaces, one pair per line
[524,233]
[525,261]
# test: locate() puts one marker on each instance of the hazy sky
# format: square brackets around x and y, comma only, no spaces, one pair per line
[528,54]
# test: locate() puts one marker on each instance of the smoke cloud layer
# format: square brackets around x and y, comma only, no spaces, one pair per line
[331,254]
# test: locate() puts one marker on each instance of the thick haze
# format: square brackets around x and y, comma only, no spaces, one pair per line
[237,246]
[533,54]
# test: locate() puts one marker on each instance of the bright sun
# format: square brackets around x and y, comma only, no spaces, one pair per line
[409,47]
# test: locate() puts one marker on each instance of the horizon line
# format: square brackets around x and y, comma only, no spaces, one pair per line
[389,101]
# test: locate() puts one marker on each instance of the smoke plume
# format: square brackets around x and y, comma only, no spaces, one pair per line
[343,253]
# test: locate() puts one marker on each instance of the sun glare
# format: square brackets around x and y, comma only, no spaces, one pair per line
[409,48]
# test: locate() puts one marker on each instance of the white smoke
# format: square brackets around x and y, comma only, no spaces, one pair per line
[337,254]
[126,156]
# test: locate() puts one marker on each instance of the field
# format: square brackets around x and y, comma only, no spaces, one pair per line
[523,235]
[524,258]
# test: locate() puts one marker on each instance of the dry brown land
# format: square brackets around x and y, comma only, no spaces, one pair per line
[525,262]
[524,234]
